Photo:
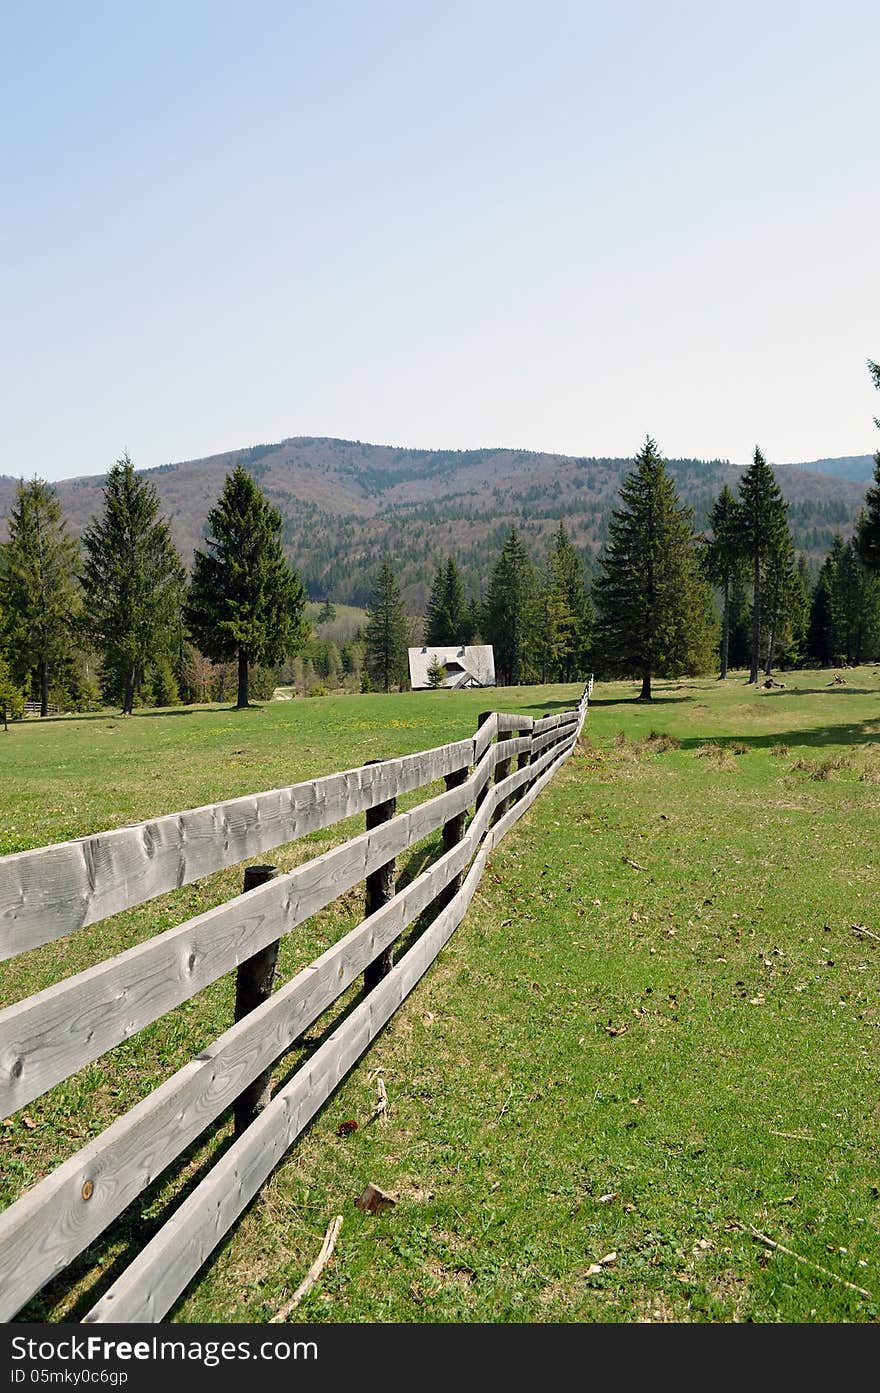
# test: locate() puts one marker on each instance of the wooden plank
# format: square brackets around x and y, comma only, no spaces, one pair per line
[508,721]
[52,891]
[49,1225]
[47,1037]
[151,1284]
[551,722]
[484,736]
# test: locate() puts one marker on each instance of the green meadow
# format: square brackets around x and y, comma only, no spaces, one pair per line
[650,1047]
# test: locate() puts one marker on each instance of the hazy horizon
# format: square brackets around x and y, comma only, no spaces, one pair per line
[378,444]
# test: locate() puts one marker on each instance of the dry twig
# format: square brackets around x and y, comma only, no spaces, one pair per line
[865,933]
[313,1273]
[826,1272]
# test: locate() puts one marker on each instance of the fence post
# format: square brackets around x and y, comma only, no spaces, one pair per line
[253,985]
[453,831]
[380,886]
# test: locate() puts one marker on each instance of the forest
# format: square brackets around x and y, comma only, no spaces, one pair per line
[731,580]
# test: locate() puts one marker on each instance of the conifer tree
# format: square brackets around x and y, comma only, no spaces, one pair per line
[740,632]
[386,637]
[556,622]
[133,579]
[763,529]
[778,581]
[436,672]
[570,571]
[855,605]
[869,523]
[509,614]
[11,695]
[245,603]
[724,561]
[446,617]
[823,631]
[40,591]
[653,603]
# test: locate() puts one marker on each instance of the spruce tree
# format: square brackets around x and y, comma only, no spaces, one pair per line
[763,528]
[133,579]
[386,638]
[556,622]
[11,695]
[869,523]
[778,586]
[40,591]
[510,613]
[823,631]
[436,672]
[570,571]
[446,618]
[724,561]
[245,603]
[653,603]
[855,606]
[740,629]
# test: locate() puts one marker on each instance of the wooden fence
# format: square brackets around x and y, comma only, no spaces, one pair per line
[44,1039]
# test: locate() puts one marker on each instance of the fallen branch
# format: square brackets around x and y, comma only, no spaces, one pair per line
[781,1248]
[635,864]
[865,933]
[313,1273]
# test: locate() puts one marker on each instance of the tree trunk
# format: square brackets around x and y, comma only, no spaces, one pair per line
[756,621]
[44,687]
[770,647]
[645,693]
[128,698]
[242,680]
[725,631]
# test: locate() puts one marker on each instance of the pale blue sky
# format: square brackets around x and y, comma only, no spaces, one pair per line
[558,226]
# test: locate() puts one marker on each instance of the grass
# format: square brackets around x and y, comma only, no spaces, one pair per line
[654,1030]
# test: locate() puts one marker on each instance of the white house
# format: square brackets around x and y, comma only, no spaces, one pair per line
[467,665]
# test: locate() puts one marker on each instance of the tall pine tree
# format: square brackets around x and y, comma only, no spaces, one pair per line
[446,619]
[133,579]
[824,636]
[510,612]
[556,623]
[387,634]
[869,522]
[245,603]
[724,561]
[763,529]
[653,603]
[41,597]
[569,568]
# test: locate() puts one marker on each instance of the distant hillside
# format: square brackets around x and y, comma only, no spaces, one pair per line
[346,505]
[857,467]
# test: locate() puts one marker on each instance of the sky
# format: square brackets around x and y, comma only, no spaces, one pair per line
[555,226]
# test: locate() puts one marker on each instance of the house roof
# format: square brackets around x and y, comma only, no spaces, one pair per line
[462,661]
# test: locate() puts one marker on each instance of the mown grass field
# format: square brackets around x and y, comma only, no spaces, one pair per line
[654,1031]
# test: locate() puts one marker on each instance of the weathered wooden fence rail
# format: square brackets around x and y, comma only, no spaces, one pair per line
[46,1038]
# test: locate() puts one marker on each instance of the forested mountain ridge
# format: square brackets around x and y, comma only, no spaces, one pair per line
[346,505]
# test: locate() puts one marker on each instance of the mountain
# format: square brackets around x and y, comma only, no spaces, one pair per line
[346,505]
[857,467]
